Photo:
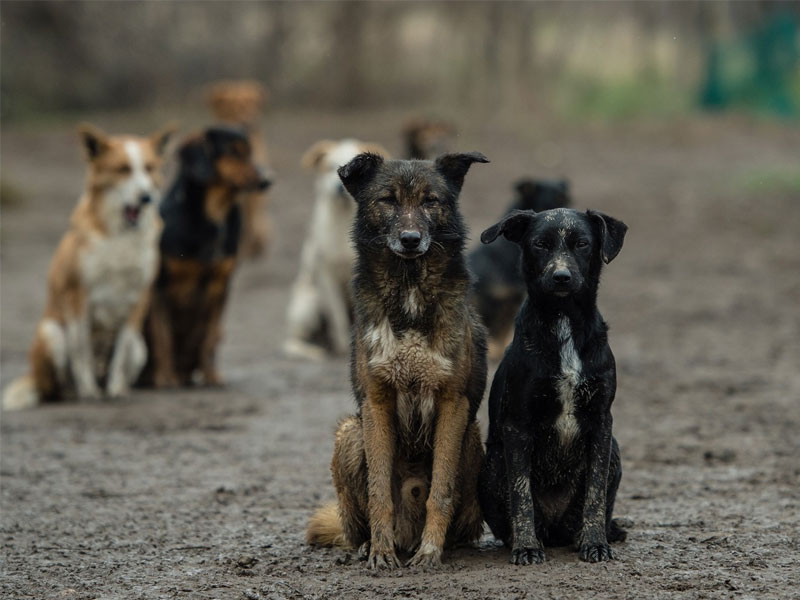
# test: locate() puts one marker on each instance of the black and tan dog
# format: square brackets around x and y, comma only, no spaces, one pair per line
[199,244]
[499,287]
[552,466]
[427,138]
[405,467]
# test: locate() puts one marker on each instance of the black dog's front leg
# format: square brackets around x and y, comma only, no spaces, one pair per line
[592,543]
[526,547]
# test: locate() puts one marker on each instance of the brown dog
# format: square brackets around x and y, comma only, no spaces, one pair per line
[405,467]
[427,138]
[241,104]
[202,222]
[100,276]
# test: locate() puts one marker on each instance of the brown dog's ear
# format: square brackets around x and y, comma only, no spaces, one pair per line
[313,157]
[455,166]
[374,148]
[95,140]
[161,138]
[512,226]
[359,172]
[195,160]
[612,234]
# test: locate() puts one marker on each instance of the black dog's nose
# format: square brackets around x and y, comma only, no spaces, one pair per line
[561,276]
[410,239]
[145,199]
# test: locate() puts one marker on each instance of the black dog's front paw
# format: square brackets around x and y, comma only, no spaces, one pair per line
[596,552]
[526,556]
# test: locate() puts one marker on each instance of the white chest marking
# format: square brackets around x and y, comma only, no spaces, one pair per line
[571,367]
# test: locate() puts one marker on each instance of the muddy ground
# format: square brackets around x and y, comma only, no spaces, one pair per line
[205,493]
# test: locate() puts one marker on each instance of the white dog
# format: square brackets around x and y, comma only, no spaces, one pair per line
[320,307]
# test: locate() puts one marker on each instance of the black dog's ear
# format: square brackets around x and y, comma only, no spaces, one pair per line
[196,161]
[359,172]
[512,226]
[455,166]
[612,234]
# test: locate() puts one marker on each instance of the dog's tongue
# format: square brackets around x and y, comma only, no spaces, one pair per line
[132,214]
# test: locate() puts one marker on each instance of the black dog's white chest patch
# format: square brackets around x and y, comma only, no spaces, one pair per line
[566,424]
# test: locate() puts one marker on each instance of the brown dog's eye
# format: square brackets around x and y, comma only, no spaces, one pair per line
[123,169]
[149,167]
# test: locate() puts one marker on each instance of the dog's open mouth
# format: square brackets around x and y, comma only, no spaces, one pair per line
[132,214]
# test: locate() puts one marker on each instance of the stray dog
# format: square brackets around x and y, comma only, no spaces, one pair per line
[499,288]
[405,467]
[100,276]
[552,466]
[319,313]
[202,222]
[240,104]
[426,139]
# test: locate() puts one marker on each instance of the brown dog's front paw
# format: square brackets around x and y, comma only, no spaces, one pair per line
[428,555]
[383,560]
[596,552]
[527,556]
[166,380]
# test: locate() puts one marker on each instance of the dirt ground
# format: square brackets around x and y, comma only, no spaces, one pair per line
[205,493]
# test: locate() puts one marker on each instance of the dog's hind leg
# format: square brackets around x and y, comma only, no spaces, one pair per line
[344,523]
[492,486]
[614,532]
[336,309]
[467,525]
[349,470]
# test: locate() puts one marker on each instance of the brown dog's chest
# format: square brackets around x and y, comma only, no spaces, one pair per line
[414,366]
[192,286]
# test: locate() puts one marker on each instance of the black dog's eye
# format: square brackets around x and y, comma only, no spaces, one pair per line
[386,200]
[582,243]
[539,245]
[430,200]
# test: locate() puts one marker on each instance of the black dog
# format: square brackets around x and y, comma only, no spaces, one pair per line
[199,244]
[552,466]
[499,288]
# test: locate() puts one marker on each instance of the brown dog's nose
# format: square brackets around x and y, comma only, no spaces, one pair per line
[562,276]
[264,180]
[410,239]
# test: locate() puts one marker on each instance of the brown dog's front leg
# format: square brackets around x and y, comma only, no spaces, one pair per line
[451,424]
[379,440]
[592,543]
[161,334]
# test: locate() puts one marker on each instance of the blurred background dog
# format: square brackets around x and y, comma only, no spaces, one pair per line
[241,103]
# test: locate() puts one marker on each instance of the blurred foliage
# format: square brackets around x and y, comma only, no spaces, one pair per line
[770,181]
[760,70]
[608,60]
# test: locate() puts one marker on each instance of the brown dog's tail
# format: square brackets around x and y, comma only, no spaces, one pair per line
[325,527]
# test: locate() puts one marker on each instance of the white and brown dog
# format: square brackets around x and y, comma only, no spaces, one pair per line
[100,277]
[319,310]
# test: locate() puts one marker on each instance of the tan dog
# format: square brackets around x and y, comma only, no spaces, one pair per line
[241,103]
[319,310]
[100,277]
